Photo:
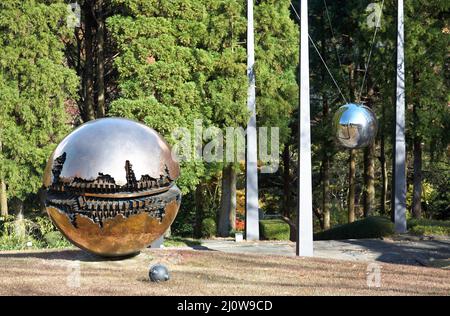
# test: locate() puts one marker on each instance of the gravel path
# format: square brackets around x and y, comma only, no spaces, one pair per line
[406,250]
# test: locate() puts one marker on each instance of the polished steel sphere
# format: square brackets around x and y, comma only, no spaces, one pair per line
[110,187]
[355,126]
[158,273]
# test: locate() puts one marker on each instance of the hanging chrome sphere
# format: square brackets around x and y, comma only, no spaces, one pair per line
[355,126]
[111,188]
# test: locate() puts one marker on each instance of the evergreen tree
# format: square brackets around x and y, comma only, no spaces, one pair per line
[185,60]
[426,70]
[179,61]
[34,84]
[277,53]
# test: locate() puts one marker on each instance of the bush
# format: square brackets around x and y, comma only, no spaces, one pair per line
[184,222]
[370,227]
[15,234]
[274,229]
[14,242]
[209,228]
[36,233]
[429,227]
[55,239]
[180,242]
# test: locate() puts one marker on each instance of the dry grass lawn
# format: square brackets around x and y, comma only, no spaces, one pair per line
[207,273]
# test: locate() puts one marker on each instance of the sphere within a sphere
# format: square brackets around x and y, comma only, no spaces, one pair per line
[355,126]
[159,273]
[110,187]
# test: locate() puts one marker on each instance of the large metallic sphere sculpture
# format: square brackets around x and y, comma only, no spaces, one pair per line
[110,187]
[355,126]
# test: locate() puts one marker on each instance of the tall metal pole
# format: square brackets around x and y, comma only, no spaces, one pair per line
[251,187]
[304,218]
[400,144]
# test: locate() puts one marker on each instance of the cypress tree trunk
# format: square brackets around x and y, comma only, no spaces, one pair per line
[232,215]
[3,199]
[384,174]
[88,74]
[326,205]
[326,144]
[3,196]
[417,164]
[19,224]
[100,32]
[369,180]
[199,212]
[287,195]
[369,165]
[417,181]
[227,215]
[351,186]
[352,157]
[392,196]
[286,182]
[326,171]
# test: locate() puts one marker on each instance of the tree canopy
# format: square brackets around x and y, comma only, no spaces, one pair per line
[182,64]
[35,82]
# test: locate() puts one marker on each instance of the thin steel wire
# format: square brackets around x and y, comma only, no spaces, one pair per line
[332,33]
[377,26]
[323,61]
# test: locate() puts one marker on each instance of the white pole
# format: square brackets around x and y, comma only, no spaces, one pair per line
[304,218]
[400,144]
[251,194]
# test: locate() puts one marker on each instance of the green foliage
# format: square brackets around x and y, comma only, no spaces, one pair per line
[370,227]
[274,229]
[209,228]
[426,227]
[183,225]
[13,242]
[346,41]
[34,84]
[435,192]
[427,70]
[338,215]
[180,61]
[55,239]
[276,36]
[185,60]
[181,242]
[24,233]
[427,95]
[428,194]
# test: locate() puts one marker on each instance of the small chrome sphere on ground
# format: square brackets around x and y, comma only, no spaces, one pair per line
[158,273]
[355,126]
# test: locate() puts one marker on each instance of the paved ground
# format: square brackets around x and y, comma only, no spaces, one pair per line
[73,272]
[405,250]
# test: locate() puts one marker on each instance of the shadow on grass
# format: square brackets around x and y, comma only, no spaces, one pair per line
[64,254]
[80,255]
[185,242]
[407,253]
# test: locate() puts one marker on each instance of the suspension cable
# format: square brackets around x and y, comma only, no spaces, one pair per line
[332,33]
[377,26]
[320,55]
